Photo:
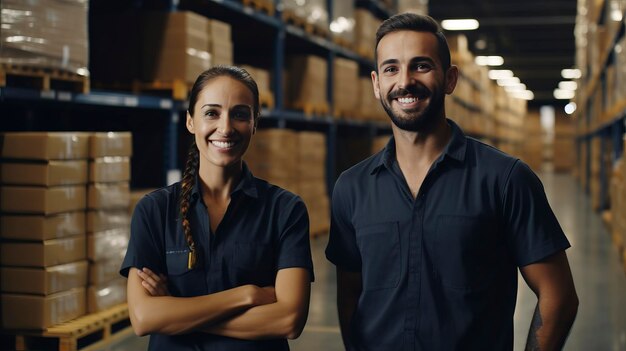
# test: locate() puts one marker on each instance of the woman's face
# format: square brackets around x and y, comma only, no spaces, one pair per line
[223,121]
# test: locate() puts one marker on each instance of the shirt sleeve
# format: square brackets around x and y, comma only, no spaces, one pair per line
[533,232]
[144,249]
[295,247]
[342,249]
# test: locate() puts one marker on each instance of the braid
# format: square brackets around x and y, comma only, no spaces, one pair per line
[189,178]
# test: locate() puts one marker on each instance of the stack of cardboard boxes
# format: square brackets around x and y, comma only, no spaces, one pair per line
[345,78]
[271,156]
[564,144]
[365,32]
[263,82]
[312,179]
[43,250]
[108,221]
[220,43]
[305,83]
[368,106]
[534,143]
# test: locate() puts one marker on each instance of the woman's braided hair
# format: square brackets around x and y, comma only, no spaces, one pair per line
[193,157]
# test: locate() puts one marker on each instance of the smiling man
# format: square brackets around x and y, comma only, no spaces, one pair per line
[428,234]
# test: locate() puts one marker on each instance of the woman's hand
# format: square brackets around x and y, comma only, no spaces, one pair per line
[154,284]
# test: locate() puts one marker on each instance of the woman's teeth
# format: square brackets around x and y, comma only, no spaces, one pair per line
[223,144]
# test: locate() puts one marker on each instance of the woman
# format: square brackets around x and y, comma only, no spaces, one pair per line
[220,260]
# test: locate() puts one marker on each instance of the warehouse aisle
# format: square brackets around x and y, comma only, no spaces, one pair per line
[599,276]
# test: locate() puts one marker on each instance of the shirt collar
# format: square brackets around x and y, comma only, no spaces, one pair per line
[455,149]
[247,185]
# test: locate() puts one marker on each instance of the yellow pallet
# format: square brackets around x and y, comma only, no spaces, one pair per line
[87,333]
[42,78]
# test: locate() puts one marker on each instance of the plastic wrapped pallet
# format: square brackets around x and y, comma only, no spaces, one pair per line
[342,25]
[45,33]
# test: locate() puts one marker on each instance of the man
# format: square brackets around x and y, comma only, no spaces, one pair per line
[428,234]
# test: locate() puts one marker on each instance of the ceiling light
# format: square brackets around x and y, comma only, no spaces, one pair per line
[459,24]
[570,108]
[489,60]
[515,88]
[525,95]
[508,81]
[568,85]
[571,73]
[500,73]
[563,94]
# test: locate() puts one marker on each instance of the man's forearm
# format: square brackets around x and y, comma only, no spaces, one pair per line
[550,326]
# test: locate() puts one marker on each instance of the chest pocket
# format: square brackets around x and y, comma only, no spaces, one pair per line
[254,263]
[184,282]
[381,259]
[466,249]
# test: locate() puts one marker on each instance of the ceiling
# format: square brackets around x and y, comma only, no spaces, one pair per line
[535,37]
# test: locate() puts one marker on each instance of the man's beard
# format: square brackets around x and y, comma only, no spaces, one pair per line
[415,122]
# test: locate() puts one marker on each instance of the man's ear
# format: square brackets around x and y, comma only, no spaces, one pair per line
[189,123]
[375,84]
[452,76]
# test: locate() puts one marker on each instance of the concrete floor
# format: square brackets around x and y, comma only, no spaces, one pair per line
[598,273]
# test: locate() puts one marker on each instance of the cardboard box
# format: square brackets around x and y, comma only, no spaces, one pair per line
[40,200]
[108,196]
[111,144]
[43,281]
[218,30]
[51,173]
[36,227]
[104,271]
[44,145]
[108,244]
[40,312]
[109,169]
[99,221]
[43,253]
[106,295]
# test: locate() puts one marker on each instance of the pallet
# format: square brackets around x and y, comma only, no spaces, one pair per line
[344,43]
[177,89]
[266,99]
[42,78]
[266,6]
[87,333]
[311,109]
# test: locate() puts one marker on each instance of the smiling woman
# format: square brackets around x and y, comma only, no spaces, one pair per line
[220,260]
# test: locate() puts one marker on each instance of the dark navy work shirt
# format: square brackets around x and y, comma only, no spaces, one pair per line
[439,272]
[264,229]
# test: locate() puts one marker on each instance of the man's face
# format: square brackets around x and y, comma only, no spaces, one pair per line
[411,83]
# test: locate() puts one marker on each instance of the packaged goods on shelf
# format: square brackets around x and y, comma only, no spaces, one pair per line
[345,78]
[311,156]
[43,253]
[415,6]
[263,82]
[175,46]
[45,33]
[313,12]
[44,145]
[40,312]
[369,108]
[107,244]
[109,169]
[40,227]
[268,160]
[43,281]
[365,32]
[44,173]
[42,200]
[100,220]
[102,144]
[343,22]
[564,145]
[533,142]
[220,43]
[103,296]
[108,196]
[306,83]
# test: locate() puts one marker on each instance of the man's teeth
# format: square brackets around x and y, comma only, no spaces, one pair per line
[407,100]
[223,144]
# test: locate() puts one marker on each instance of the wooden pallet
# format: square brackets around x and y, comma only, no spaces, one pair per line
[344,43]
[266,6]
[87,333]
[177,89]
[311,109]
[290,17]
[42,78]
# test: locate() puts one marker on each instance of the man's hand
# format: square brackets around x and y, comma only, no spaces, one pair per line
[154,284]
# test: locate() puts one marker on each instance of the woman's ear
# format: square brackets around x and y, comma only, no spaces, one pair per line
[189,123]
